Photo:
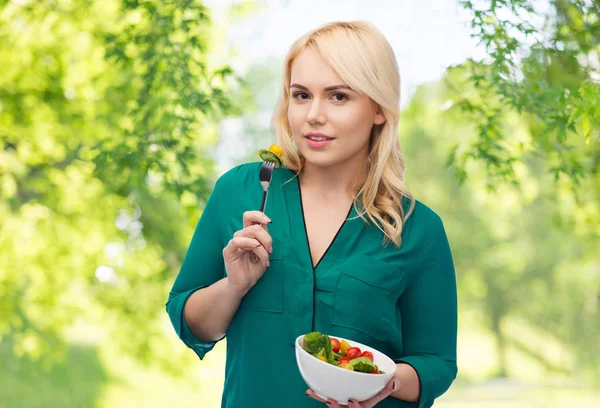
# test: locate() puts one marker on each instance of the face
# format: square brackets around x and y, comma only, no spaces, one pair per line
[330,122]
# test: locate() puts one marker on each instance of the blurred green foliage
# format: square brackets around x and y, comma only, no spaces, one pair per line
[545,66]
[527,135]
[107,112]
[81,366]
[533,284]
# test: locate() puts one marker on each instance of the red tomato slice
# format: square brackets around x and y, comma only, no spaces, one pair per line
[368,354]
[375,372]
[343,360]
[335,344]
[353,352]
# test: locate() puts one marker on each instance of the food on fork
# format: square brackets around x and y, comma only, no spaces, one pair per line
[274,154]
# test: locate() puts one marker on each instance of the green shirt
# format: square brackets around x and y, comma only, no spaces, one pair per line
[402,302]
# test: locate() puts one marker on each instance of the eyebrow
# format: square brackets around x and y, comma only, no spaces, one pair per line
[329,88]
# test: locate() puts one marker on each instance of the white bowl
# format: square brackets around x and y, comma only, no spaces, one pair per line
[329,381]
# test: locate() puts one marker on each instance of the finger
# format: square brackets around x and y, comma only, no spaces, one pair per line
[383,394]
[258,232]
[311,394]
[241,243]
[356,404]
[246,244]
[333,403]
[262,254]
[255,217]
[371,402]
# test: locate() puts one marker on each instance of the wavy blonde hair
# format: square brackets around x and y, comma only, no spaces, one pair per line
[363,58]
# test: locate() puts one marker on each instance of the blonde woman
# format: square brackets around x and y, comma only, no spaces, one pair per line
[342,247]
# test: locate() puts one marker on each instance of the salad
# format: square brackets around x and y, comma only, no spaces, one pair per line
[274,154]
[340,353]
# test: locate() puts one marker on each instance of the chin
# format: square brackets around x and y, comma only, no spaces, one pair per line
[321,159]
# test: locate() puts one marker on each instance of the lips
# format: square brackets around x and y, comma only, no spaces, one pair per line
[318,137]
[317,140]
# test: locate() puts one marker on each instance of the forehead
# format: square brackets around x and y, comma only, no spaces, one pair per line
[311,70]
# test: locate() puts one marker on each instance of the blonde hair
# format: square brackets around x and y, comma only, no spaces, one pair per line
[363,58]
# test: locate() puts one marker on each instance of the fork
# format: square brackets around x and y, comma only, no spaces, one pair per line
[266,172]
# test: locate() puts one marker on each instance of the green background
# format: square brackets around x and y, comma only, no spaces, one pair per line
[109,120]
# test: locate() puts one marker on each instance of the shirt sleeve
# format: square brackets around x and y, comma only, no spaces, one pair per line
[429,319]
[202,266]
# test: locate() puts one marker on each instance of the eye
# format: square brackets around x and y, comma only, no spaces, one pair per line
[339,97]
[301,95]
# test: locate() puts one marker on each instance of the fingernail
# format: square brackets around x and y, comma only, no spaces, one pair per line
[267,219]
[271,250]
[395,385]
[268,264]
[329,404]
[306,393]
[350,404]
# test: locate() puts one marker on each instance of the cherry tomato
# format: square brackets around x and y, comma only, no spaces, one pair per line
[367,354]
[353,352]
[343,360]
[335,344]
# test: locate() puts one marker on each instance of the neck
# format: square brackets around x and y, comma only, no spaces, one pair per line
[336,181]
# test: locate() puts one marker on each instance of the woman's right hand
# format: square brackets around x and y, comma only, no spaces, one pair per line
[246,255]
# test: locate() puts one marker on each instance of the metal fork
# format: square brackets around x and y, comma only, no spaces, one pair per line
[266,172]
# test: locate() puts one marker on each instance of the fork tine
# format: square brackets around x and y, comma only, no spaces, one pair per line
[266,171]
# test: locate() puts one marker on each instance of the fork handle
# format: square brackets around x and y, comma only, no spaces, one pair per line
[264,201]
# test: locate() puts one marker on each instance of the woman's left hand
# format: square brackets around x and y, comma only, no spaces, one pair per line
[371,402]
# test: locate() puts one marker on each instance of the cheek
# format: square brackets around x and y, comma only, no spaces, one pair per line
[355,123]
[295,118]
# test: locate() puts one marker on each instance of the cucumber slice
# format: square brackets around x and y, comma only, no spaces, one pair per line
[270,156]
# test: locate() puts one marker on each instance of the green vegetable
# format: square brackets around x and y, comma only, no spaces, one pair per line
[362,364]
[318,344]
[270,156]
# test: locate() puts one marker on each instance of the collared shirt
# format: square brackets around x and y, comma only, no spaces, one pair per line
[400,301]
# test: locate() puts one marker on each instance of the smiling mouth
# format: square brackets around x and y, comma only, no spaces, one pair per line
[318,138]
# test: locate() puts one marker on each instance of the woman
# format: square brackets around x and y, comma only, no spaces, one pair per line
[342,247]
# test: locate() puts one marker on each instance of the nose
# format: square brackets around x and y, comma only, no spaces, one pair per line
[315,115]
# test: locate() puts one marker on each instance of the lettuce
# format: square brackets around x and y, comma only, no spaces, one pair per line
[319,344]
[362,364]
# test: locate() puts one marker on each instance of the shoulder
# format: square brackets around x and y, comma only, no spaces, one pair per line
[239,175]
[422,226]
[426,217]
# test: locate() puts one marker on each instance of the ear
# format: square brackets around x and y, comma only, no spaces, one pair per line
[379,118]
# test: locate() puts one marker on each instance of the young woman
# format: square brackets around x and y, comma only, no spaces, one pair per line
[342,248]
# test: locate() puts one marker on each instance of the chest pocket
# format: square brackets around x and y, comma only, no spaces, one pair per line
[267,294]
[366,295]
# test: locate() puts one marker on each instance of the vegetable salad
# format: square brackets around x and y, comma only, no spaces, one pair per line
[340,353]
